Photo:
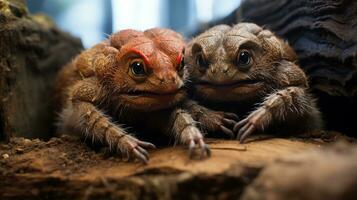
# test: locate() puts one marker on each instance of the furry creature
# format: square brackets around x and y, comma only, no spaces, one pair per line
[248,70]
[131,83]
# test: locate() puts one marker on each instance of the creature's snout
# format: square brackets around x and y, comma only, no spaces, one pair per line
[219,75]
[169,82]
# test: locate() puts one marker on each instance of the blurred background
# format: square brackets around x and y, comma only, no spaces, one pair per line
[93,20]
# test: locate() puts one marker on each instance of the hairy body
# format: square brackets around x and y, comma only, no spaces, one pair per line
[247,70]
[130,83]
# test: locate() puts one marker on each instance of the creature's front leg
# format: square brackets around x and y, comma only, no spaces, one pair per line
[81,115]
[291,103]
[185,131]
[210,120]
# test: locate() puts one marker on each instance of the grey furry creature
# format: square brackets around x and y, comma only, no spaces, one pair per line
[249,71]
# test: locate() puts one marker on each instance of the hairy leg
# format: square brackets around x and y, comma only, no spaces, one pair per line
[285,105]
[210,120]
[83,116]
[185,132]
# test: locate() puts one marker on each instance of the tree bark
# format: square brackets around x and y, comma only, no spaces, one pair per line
[32,50]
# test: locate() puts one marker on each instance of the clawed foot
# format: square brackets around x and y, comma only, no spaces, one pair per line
[255,121]
[135,148]
[228,121]
[196,141]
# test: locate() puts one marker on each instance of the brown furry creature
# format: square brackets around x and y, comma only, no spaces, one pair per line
[247,69]
[135,79]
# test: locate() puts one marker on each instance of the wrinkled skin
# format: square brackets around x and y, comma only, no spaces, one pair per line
[134,79]
[249,71]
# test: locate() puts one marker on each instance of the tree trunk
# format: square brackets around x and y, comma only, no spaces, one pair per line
[32,49]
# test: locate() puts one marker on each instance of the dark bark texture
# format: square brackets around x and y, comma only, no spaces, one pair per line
[324,35]
[32,49]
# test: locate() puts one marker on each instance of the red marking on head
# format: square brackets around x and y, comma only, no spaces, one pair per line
[160,49]
[179,59]
[143,56]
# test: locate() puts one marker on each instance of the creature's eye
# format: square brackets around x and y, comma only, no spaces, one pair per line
[138,68]
[201,61]
[244,59]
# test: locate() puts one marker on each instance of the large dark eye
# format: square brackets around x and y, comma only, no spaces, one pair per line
[137,68]
[201,61]
[244,59]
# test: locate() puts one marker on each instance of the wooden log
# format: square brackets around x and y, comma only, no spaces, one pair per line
[32,49]
[65,168]
[320,175]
